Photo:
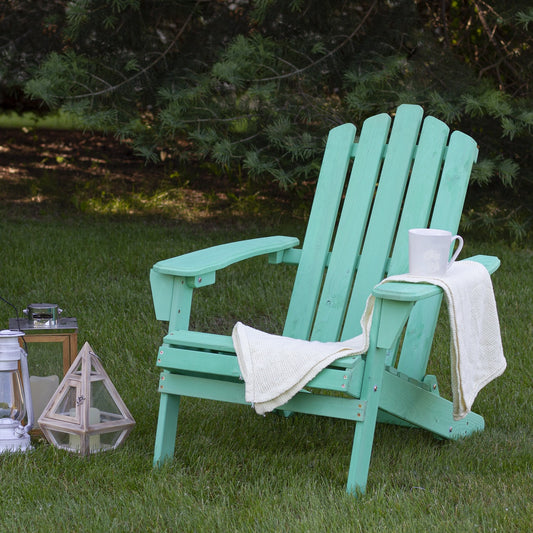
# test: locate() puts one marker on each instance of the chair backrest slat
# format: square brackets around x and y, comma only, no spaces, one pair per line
[358,226]
[461,155]
[421,191]
[320,228]
[385,211]
[350,233]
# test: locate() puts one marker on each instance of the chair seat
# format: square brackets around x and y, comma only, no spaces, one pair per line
[210,354]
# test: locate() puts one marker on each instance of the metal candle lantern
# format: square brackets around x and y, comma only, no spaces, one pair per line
[15,394]
[52,343]
[43,314]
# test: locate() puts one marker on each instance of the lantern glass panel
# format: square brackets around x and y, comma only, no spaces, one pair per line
[45,358]
[11,396]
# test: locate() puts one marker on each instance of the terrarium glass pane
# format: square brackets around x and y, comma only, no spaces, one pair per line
[72,441]
[60,438]
[67,404]
[42,390]
[94,442]
[102,400]
[109,440]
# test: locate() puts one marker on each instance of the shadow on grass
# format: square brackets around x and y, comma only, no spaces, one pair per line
[46,171]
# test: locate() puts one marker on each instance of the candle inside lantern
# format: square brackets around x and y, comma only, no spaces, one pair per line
[42,389]
[94,440]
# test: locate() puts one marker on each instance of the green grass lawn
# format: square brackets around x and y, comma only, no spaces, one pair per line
[235,470]
[75,233]
[57,120]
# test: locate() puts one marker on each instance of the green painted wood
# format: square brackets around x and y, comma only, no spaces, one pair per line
[418,338]
[225,391]
[411,292]
[347,381]
[291,257]
[167,422]
[199,339]
[427,384]
[161,287]
[385,212]
[394,315]
[350,233]
[386,418]
[322,221]
[357,233]
[461,154]
[406,292]
[422,408]
[490,262]
[183,360]
[180,305]
[371,394]
[218,257]
[208,388]
[172,297]
[331,406]
[421,190]
[347,362]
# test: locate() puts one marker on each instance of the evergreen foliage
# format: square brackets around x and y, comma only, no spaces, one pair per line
[254,86]
[28,31]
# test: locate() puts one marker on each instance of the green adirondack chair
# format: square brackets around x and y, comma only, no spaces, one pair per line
[369,193]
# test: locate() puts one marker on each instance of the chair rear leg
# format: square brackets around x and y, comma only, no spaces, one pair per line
[167,425]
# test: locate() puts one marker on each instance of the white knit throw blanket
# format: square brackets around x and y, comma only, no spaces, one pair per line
[275,368]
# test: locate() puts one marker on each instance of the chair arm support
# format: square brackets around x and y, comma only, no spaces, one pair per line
[398,299]
[218,257]
[412,292]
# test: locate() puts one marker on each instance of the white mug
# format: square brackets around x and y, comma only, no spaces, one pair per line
[429,251]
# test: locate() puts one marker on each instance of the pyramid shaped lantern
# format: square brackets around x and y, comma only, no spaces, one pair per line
[86,414]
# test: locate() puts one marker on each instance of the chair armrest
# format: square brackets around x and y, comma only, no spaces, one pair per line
[405,292]
[218,257]
[173,280]
[490,262]
[412,292]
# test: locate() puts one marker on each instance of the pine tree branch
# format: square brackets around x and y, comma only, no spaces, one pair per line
[491,35]
[329,54]
[148,67]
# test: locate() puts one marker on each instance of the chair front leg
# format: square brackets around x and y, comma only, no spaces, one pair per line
[167,423]
[388,321]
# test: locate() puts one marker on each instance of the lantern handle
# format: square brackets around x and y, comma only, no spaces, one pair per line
[27,389]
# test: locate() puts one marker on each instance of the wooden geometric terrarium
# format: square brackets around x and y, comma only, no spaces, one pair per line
[86,414]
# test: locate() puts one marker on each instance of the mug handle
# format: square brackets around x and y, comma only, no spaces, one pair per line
[458,251]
